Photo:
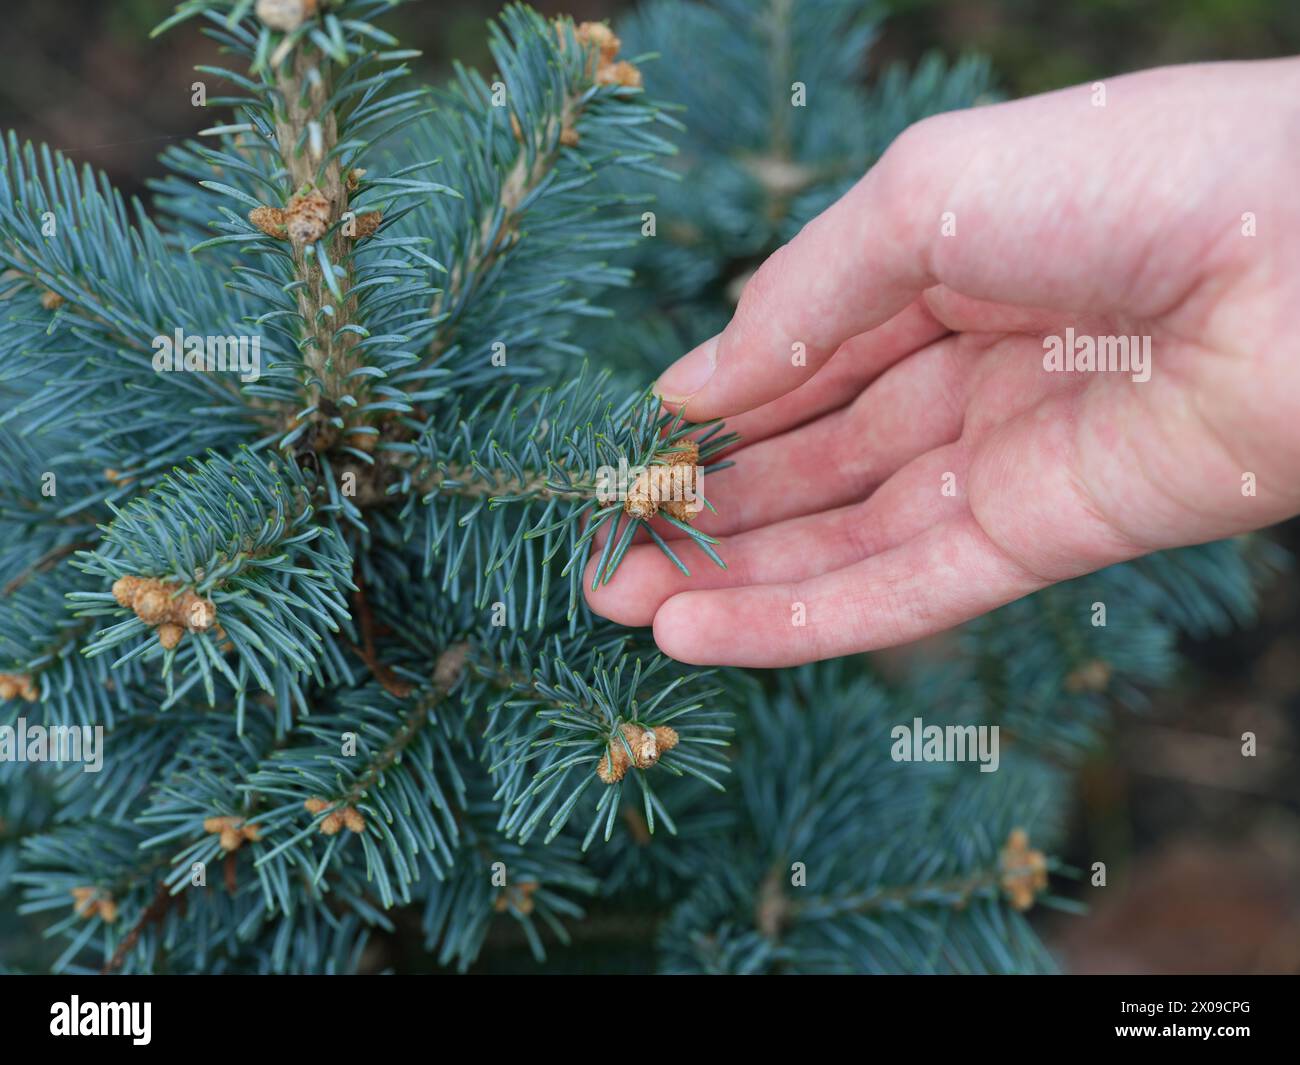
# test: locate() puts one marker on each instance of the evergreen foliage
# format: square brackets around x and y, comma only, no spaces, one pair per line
[331,619]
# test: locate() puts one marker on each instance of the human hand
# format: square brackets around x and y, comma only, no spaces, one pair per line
[921,465]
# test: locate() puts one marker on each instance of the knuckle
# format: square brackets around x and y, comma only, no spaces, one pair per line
[764,285]
[912,177]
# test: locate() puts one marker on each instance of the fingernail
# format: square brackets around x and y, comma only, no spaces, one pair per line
[689,374]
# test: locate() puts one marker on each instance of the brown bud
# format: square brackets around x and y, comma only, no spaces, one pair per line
[679,492]
[451,664]
[91,902]
[194,612]
[270,220]
[285,15]
[642,499]
[684,453]
[600,36]
[621,73]
[646,748]
[307,217]
[366,224]
[672,485]
[666,737]
[51,301]
[1024,871]
[678,510]
[648,745]
[613,764]
[152,604]
[124,589]
[84,902]
[169,634]
[519,896]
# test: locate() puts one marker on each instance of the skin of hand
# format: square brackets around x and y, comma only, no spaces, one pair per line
[922,299]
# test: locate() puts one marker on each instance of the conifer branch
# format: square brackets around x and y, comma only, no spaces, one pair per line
[333,621]
[306,134]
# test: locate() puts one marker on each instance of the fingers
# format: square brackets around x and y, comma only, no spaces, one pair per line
[907,504]
[947,575]
[915,406]
[1000,204]
[962,314]
[856,363]
[955,533]
[647,578]
[846,272]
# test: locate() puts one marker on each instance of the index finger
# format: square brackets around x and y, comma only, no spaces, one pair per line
[1013,203]
[802,304]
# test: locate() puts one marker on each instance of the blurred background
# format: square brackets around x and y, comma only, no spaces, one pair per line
[84,76]
[1202,850]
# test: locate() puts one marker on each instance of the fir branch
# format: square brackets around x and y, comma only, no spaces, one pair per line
[392,708]
[240,537]
[154,913]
